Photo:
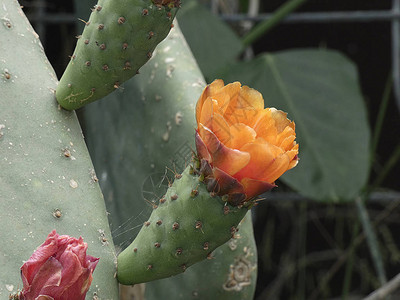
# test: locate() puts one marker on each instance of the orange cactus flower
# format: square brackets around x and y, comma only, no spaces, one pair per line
[243,147]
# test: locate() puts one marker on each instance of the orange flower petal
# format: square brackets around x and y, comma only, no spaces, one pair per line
[254,187]
[201,148]
[208,109]
[262,155]
[281,120]
[245,107]
[227,184]
[279,166]
[208,90]
[226,96]
[227,159]
[241,134]
[286,139]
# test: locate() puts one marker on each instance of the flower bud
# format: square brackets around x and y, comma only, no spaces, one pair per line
[59,269]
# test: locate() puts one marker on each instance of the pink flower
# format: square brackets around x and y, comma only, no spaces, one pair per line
[58,270]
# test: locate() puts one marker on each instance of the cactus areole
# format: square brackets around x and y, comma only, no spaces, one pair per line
[118,39]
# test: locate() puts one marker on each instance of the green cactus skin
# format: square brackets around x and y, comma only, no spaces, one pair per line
[132,148]
[118,39]
[184,228]
[47,179]
[231,274]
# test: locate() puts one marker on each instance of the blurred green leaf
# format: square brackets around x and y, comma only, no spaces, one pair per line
[212,42]
[320,91]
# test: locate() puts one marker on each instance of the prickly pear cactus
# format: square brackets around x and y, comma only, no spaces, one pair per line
[138,131]
[134,134]
[229,273]
[118,39]
[47,180]
[180,231]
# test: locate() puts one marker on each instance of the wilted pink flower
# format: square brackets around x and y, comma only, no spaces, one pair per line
[58,270]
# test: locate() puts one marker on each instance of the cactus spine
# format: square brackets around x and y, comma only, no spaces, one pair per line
[118,39]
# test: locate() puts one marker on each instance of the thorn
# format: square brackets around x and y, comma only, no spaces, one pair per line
[86,23]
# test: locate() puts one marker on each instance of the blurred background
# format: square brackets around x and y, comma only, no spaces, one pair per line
[308,248]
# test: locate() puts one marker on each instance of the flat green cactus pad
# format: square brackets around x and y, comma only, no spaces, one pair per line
[47,180]
[118,39]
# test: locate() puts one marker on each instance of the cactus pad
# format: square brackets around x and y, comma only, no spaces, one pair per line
[188,223]
[118,39]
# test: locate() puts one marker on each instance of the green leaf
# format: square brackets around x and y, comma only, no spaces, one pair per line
[212,42]
[320,91]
